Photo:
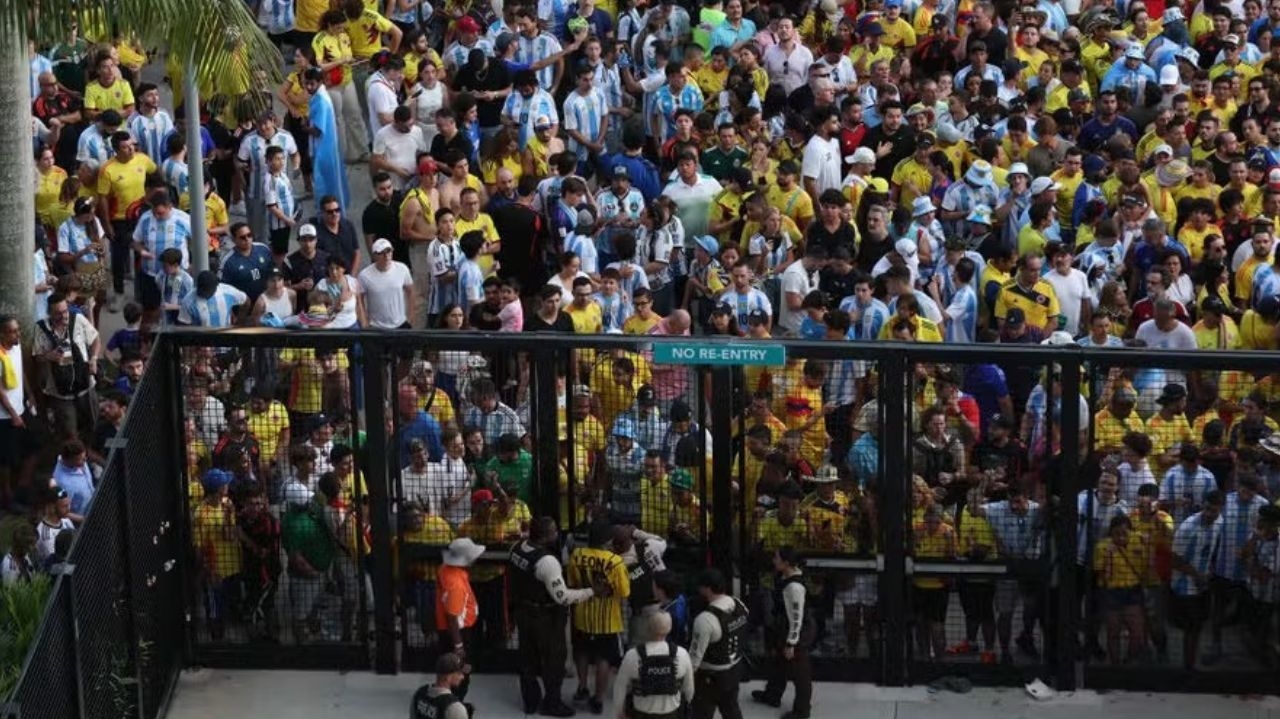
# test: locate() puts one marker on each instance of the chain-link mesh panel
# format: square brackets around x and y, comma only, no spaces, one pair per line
[48,688]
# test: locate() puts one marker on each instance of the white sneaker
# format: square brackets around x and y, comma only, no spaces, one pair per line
[113,304]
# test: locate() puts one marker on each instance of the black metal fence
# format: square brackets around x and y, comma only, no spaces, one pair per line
[110,642]
[954,510]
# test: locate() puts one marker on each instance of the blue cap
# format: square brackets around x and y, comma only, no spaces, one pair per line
[623,427]
[215,479]
[709,244]
[1094,163]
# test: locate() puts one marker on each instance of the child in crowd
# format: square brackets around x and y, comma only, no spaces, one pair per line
[614,307]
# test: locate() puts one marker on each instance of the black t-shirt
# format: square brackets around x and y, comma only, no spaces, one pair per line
[344,243]
[870,251]
[298,268]
[997,45]
[440,147]
[521,230]
[822,237]
[485,318]
[904,143]
[534,323]
[836,286]
[495,76]
[382,220]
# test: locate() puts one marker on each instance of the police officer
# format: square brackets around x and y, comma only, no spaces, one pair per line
[641,552]
[437,700]
[716,649]
[789,634]
[541,610]
[656,677]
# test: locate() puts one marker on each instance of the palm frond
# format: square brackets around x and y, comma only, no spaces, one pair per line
[221,35]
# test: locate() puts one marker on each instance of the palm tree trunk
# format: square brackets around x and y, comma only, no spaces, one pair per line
[17,193]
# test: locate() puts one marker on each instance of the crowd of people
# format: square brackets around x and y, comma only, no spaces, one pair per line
[1057,172]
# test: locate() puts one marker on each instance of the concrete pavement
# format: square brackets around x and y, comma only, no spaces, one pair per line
[216,694]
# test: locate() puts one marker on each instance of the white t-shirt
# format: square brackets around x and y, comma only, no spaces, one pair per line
[1071,289]
[822,163]
[1179,338]
[384,294]
[400,148]
[794,279]
[381,99]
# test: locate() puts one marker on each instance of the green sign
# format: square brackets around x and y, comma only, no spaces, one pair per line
[720,354]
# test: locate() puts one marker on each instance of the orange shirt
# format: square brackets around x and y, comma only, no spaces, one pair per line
[454,597]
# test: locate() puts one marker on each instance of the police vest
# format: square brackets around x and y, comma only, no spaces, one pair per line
[733,625]
[780,620]
[525,587]
[426,706]
[641,575]
[657,674]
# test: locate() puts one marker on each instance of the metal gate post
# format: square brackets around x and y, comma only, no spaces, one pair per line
[546,439]
[378,483]
[894,437]
[722,469]
[1068,604]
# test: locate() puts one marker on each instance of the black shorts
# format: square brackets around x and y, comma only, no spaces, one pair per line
[598,647]
[1190,611]
[931,604]
[148,291]
[1117,599]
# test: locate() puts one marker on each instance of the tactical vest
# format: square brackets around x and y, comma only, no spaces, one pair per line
[525,587]
[426,706]
[780,621]
[641,575]
[657,675]
[733,625]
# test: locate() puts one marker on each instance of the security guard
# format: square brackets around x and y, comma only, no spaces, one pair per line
[716,650]
[655,678]
[789,635]
[437,700]
[542,599]
[642,553]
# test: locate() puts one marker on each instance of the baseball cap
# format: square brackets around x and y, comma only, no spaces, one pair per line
[1043,184]
[1019,168]
[468,24]
[1232,40]
[307,230]
[646,394]
[905,247]
[427,166]
[1134,52]
[542,122]
[1169,75]
[504,41]
[481,496]
[620,172]
[83,205]
[757,317]
[874,29]
[1077,95]
[381,245]
[1273,178]
[1173,14]
[1163,148]
[862,156]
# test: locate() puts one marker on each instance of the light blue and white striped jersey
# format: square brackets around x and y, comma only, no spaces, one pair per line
[253,153]
[280,16]
[614,310]
[554,14]
[963,197]
[470,284]
[743,304]
[1198,544]
[584,246]
[1239,517]
[610,205]
[963,316]
[1179,484]
[173,288]
[584,114]
[531,50]
[455,56]
[177,175]
[928,308]
[72,238]
[666,102]
[1266,283]
[443,257]
[609,81]
[410,16]
[150,133]
[92,148]
[637,279]
[524,110]
[867,320]
[841,387]
[278,192]
[159,235]
[949,274]
[216,311]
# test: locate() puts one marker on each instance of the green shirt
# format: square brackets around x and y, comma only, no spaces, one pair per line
[302,532]
[717,163]
[516,477]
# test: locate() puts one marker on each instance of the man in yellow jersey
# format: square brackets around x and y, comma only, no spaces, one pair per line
[597,622]
[121,184]
[471,218]
[1030,293]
